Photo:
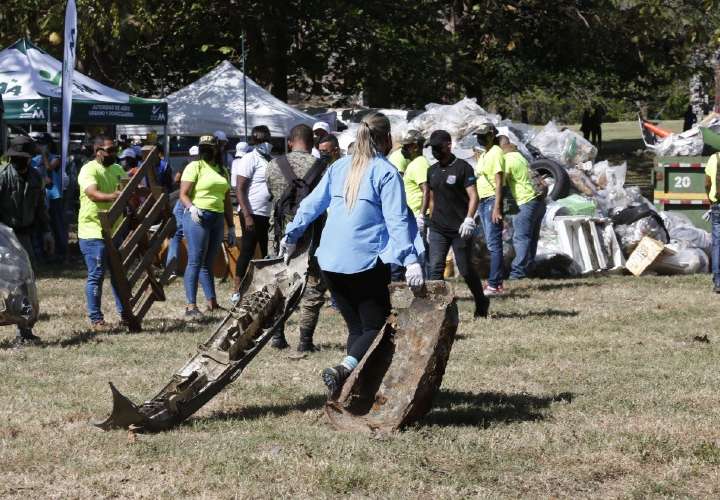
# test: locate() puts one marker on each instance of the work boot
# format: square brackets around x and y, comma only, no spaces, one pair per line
[481,309]
[306,343]
[278,341]
[25,336]
[334,378]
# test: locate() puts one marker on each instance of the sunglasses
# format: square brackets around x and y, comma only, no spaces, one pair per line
[110,150]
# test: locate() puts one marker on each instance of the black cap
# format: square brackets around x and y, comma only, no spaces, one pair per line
[21,146]
[439,137]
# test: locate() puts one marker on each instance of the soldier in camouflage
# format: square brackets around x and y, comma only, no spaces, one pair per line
[301,161]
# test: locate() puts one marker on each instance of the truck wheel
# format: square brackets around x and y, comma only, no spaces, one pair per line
[555,176]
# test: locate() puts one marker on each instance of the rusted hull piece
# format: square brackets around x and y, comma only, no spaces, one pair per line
[396,381]
[271,290]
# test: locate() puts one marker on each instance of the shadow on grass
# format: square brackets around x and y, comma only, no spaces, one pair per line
[546,313]
[546,287]
[510,294]
[453,408]
[252,412]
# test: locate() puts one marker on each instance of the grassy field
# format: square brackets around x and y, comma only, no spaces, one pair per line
[584,388]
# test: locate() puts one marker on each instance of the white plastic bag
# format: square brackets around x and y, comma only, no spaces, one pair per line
[564,146]
[18,295]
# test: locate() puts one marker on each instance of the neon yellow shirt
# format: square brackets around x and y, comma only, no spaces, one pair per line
[398,160]
[518,177]
[711,171]
[490,163]
[415,174]
[211,184]
[107,180]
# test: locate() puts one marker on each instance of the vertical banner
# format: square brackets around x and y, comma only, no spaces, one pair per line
[68,71]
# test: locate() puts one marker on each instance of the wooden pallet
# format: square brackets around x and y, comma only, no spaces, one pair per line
[132,247]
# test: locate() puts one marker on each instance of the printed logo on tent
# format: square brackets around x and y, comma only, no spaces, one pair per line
[57,81]
[10,87]
[31,111]
[156,114]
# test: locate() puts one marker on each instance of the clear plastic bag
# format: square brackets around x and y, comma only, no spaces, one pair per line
[564,146]
[683,231]
[459,119]
[681,260]
[18,294]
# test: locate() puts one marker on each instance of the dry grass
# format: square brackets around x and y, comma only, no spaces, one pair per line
[587,388]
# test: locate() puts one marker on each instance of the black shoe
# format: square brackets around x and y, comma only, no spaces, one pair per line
[279,343]
[27,339]
[716,289]
[334,378]
[307,347]
[481,310]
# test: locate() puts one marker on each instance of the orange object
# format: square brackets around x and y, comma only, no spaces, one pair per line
[660,132]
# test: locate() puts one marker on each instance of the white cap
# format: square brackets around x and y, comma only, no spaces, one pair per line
[128,153]
[321,126]
[194,151]
[220,135]
[240,149]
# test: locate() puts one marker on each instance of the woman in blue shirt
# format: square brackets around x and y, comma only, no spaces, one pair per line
[368,227]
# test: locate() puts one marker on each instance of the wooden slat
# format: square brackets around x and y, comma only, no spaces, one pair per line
[118,206]
[144,227]
[152,250]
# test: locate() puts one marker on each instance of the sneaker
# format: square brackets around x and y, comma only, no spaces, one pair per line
[235,298]
[334,378]
[100,326]
[171,278]
[490,291]
[279,343]
[193,313]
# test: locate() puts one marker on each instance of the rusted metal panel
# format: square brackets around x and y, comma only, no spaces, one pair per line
[396,381]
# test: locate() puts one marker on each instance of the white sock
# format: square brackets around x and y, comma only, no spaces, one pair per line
[349,362]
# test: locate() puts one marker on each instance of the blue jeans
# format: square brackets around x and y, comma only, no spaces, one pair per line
[715,220]
[493,240]
[95,256]
[527,232]
[174,247]
[203,241]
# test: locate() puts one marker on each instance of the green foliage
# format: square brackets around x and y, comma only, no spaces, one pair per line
[550,58]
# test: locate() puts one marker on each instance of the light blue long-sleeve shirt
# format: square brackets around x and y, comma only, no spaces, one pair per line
[379,225]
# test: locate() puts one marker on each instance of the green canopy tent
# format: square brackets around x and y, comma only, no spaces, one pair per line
[31,85]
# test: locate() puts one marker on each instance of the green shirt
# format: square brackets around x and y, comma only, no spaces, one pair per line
[711,171]
[211,184]
[398,160]
[107,180]
[415,174]
[490,163]
[518,177]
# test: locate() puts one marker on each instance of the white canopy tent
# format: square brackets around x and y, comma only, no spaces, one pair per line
[215,102]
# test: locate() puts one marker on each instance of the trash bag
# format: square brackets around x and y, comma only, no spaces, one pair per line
[635,222]
[576,204]
[459,119]
[564,146]
[683,231]
[18,294]
[688,143]
[681,260]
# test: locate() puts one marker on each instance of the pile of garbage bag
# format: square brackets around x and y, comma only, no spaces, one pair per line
[18,294]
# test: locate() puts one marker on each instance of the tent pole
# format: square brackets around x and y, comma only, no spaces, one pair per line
[244,87]
[167,144]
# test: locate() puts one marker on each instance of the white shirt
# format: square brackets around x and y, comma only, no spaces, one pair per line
[253,166]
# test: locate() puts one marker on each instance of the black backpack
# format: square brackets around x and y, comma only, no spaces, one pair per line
[297,189]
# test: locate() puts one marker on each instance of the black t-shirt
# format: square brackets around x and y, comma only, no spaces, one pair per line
[450,197]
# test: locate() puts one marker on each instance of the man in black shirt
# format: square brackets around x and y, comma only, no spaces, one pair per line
[455,200]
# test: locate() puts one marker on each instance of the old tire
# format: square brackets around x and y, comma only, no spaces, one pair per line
[558,180]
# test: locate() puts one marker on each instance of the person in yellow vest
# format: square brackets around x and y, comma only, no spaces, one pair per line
[205,194]
[397,159]
[711,187]
[490,172]
[527,222]
[99,182]
[415,178]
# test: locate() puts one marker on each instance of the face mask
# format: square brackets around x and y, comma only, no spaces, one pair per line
[108,160]
[264,148]
[405,152]
[326,157]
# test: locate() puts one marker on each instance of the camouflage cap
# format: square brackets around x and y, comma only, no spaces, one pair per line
[412,137]
[207,140]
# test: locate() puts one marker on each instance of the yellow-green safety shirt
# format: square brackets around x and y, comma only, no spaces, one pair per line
[711,171]
[398,160]
[107,180]
[415,175]
[490,163]
[211,185]
[517,169]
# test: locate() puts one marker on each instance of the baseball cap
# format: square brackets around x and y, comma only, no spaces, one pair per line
[485,129]
[412,137]
[439,137]
[21,146]
[240,149]
[194,151]
[207,140]
[321,126]
[220,136]
[128,153]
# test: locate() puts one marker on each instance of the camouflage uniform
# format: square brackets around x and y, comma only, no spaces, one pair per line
[314,295]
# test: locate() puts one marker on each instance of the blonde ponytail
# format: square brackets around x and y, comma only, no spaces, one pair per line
[373,128]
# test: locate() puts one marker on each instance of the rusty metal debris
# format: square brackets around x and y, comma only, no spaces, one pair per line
[270,291]
[395,382]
